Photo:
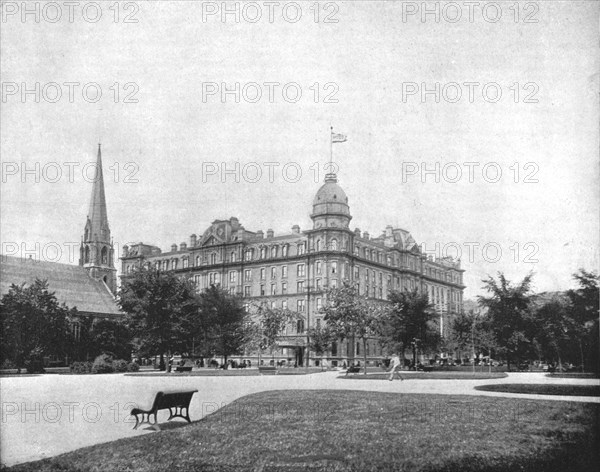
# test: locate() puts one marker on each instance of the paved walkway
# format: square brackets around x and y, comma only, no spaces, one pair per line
[43,416]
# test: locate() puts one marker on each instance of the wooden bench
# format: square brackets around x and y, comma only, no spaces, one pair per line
[353,369]
[175,402]
[267,369]
[183,368]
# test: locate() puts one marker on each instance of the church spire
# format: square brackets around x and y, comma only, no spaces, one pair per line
[97,214]
[96,252]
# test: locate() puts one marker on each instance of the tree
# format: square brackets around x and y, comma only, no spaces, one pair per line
[461,329]
[351,316]
[223,322]
[272,322]
[321,340]
[585,304]
[409,321]
[34,324]
[162,307]
[509,314]
[110,336]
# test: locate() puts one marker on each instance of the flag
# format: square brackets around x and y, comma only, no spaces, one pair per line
[338,138]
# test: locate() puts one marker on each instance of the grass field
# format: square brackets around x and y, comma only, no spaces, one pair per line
[358,431]
[545,389]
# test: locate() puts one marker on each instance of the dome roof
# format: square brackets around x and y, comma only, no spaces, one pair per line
[330,192]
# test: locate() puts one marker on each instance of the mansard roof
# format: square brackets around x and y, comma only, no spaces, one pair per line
[71,284]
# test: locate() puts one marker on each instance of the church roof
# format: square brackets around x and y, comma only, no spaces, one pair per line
[97,214]
[70,283]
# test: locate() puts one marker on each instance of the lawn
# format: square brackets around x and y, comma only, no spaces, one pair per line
[428,375]
[323,430]
[545,389]
[229,372]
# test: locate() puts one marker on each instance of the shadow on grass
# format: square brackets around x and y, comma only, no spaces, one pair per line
[544,389]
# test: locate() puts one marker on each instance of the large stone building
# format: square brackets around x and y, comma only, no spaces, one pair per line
[294,270]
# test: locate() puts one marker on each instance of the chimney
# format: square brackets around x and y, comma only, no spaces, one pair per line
[357,232]
[173,247]
[388,231]
[295,229]
[270,233]
[182,246]
[125,250]
[193,240]
[366,235]
[260,234]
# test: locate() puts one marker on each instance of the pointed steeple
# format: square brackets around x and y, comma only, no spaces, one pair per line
[97,215]
[97,252]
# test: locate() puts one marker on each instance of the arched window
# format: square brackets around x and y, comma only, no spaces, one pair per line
[334,245]
[174,264]
[263,252]
[104,255]
[157,265]
[318,245]
[186,262]
[213,258]
[249,254]
[86,235]
[87,254]
[300,326]
[165,265]
[197,260]
[274,251]
[284,250]
[233,258]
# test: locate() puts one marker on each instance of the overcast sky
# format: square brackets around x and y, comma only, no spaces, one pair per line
[175,142]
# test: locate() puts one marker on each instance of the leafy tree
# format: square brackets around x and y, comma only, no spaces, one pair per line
[461,330]
[509,314]
[321,339]
[272,322]
[34,324]
[585,304]
[110,336]
[223,322]
[409,322]
[162,307]
[351,316]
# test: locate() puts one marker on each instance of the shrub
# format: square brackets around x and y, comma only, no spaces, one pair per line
[120,365]
[35,366]
[133,367]
[8,364]
[103,364]
[81,367]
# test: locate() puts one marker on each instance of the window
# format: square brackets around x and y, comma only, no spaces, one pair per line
[104,256]
[333,245]
[318,284]
[213,258]
[247,275]
[334,352]
[301,270]
[186,263]
[273,272]
[284,287]
[301,249]
[284,250]
[273,289]
[263,252]
[380,292]
[249,255]
[263,273]
[318,267]
[300,287]
[334,283]
[157,265]
[300,326]
[273,305]
[165,265]
[197,260]
[274,251]
[319,306]
[232,277]
[233,256]
[357,349]
[301,305]
[318,245]
[284,304]
[262,289]
[318,323]
[247,291]
[334,267]
[284,272]
[380,278]
[356,251]
[213,278]
[175,261]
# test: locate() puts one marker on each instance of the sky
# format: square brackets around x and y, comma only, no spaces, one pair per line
[499,167]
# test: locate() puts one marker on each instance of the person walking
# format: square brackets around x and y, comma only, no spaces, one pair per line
[396,366]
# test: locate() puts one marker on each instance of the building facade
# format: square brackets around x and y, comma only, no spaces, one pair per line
[295,270]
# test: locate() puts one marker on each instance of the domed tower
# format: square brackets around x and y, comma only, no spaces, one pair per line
[330,206]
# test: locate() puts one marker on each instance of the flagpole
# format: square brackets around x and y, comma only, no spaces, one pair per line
[331,146]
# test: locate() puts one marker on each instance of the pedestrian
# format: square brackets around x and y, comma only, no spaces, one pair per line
[396,366]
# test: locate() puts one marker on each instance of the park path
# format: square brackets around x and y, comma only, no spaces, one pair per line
[47,415]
